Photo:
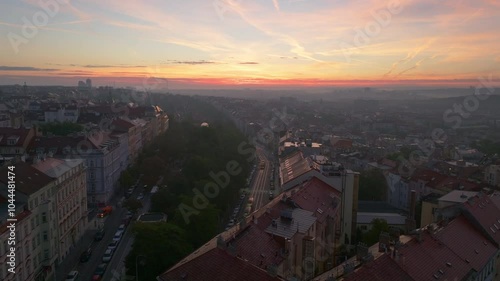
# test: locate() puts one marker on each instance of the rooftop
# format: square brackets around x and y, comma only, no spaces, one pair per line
[458,196]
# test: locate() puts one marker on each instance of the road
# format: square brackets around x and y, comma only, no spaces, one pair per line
[110,224]
[260,187]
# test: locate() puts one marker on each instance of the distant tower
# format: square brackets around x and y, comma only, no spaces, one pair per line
[25,89]
[89,83]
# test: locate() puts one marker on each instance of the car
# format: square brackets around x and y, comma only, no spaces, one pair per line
[113,245]
[140,197]
[107,255]
[99,272]
[118,236]
[72,275]
[85,256]
[121,227]
[126,221]
[99,234]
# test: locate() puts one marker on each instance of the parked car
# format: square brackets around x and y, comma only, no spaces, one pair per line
[113,245]
[85,256]
[271,195]
[140,197]
[121,227]
[107,255]
[99,234]
[118,236]
[72,276]
[99,272]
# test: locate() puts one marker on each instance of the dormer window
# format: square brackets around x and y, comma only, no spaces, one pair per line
[12,140]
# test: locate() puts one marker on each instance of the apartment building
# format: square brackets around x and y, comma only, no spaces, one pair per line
[70,198]
[36,230]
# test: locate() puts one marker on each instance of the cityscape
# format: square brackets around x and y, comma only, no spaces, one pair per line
[299,140]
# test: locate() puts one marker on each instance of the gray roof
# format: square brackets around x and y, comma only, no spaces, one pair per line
[57,167]
[458,196]
[301,221]
[391,218]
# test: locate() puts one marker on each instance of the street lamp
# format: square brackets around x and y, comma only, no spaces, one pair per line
[136,267]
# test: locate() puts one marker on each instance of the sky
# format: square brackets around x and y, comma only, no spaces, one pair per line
[250,43]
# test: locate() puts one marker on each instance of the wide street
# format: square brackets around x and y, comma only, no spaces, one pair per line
[260,188]
[115,267]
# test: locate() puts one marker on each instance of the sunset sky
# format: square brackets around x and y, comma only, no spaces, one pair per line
[222,43]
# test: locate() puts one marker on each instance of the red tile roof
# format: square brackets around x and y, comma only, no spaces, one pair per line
[341,143]
[217,264]
[121,124]
[422,260]
[478,249]
[486,213]
[265,254]
[18,135]
[382,269]
[318,197]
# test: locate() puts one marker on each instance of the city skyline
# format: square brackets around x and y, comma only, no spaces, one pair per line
[224,44]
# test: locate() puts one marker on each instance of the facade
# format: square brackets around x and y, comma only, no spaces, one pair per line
[492,175]
[36,248]
[397,191]
[71,200]
[25,269]
[103,158]
[134,136]
[62,113]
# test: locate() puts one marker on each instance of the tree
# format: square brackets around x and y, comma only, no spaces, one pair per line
[61,129]
[126,179]
[372,236]
[160,246]
[152,168]
[202,226]
[132,205]
[372,185]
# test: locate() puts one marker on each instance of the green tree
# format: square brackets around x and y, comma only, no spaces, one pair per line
[201,226]
[372,236]
[61,129]
[372,185]
[152,168]
[126,179]
[160,246]
[132,205]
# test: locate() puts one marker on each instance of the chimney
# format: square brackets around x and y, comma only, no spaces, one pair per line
[411,224]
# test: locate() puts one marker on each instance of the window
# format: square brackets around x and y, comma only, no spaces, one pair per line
[46,254]
[44,217]
[45,236]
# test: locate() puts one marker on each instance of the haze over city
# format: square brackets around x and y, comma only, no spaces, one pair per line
[249,140]
[243,43]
